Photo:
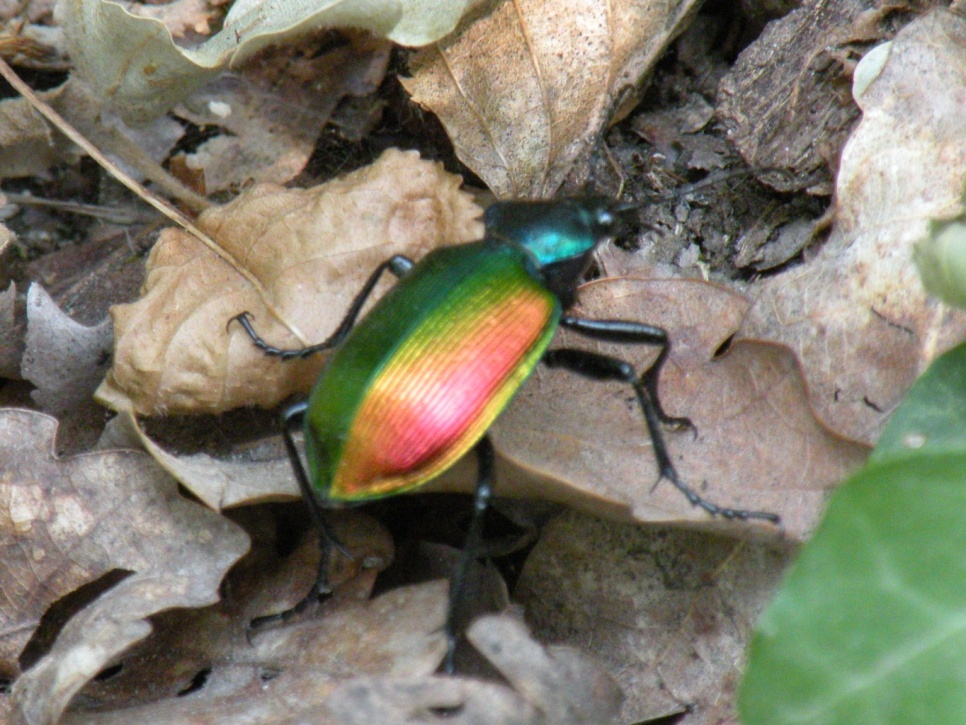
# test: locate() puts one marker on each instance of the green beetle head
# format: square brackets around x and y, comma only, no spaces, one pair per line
[560,235]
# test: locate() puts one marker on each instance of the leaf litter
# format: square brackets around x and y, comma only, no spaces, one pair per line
[69,522]
[873,329]
[770,367]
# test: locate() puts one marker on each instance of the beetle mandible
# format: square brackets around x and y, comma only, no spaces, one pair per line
[418,381]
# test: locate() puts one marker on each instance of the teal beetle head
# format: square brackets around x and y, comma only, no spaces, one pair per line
[559,235]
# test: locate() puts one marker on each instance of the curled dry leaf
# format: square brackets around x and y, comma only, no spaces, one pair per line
[547,685]
[524,90]
[857,316]
[65,361]
[309,251]
[66,523]
[134,64]
[206,666]
[668,611]
[758,444]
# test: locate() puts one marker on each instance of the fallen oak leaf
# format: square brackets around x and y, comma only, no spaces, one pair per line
[65,360]
[667,611]
[547,685]
[66,523]
[286,674]
[282,669]
[527,88]
[310,251]
[758,443]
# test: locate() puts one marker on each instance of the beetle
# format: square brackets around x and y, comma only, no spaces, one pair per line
[418,381]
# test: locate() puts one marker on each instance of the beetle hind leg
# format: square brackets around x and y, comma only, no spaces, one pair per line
[603,367]
[474,537]
[291,417]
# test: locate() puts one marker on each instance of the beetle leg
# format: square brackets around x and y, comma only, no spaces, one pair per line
[603,367]
[634,332]
[291,418]
[457,586]
[398,265]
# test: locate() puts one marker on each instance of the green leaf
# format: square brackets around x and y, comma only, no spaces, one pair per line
[932,418]
[870,625]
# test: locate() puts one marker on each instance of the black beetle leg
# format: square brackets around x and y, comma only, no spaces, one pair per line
[398,265]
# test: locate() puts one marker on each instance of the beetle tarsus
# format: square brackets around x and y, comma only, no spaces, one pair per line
[398,265]
[602,367]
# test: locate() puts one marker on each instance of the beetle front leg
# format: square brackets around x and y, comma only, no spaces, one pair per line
[625,332]
[457,585]
[603,367]
[397,265]
[291,418]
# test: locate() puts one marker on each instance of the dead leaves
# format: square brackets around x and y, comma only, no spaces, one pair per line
[757,445]
[857,316]
[292,258]
[667,610]
[528,88]
[134,62]
[69,523]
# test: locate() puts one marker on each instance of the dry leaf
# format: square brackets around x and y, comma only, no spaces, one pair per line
[857,316]
[133,63]
[758,444]
[668,612]
[65,361]
[207,666]
[347,660]
[524,90]
[310,250]
[555,686]
[67,523]
[284,675]
[26,142]
[270,124]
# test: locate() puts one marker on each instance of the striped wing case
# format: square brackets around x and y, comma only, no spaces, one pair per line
[425,373]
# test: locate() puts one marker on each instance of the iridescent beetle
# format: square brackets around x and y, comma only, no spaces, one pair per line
[417,383]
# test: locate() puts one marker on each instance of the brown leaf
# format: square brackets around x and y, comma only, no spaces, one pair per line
[65,361]
[66,523]
[557,686]
[284,675]
[857,315]
[524,90]
[668,612]
[309,250]
[262,472]
[270,125]
[758,444]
